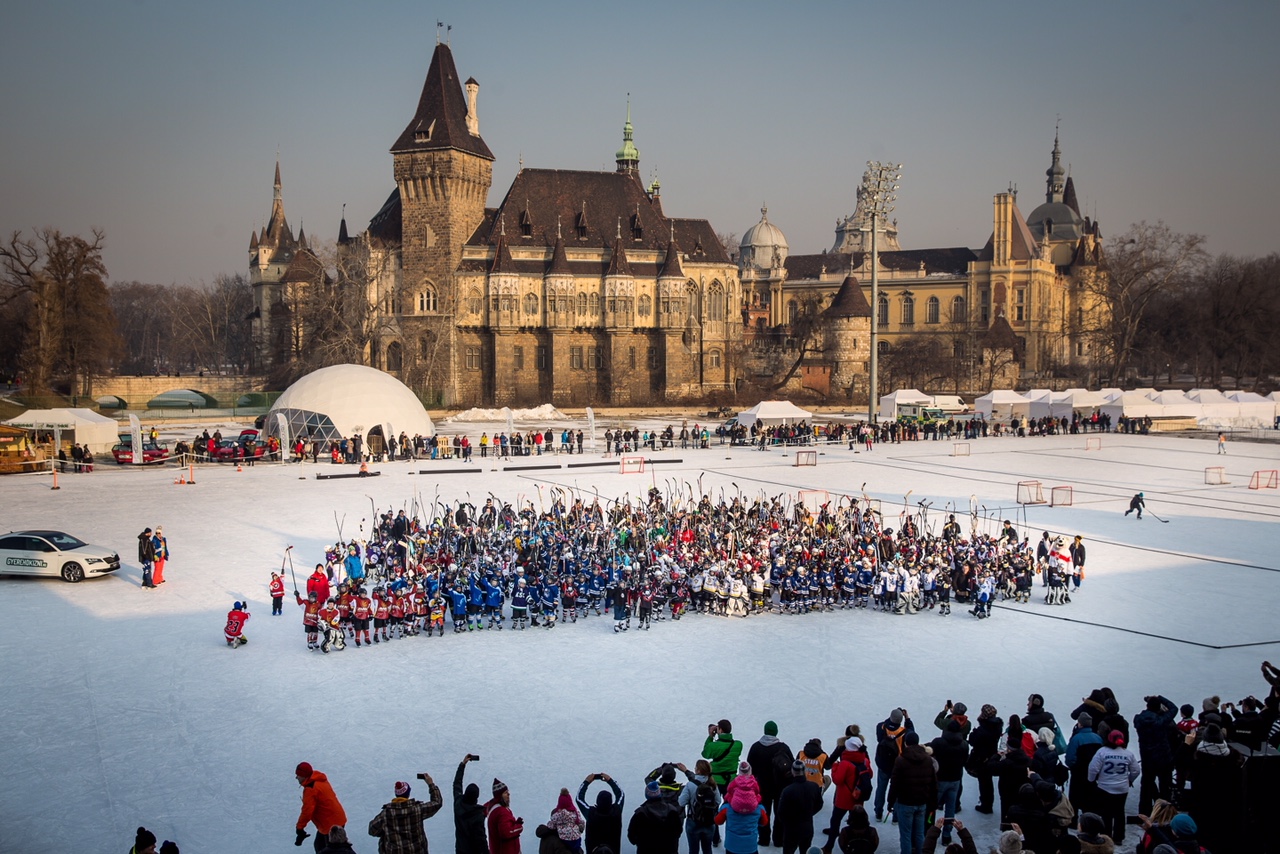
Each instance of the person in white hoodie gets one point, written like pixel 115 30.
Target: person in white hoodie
pixel 1114 769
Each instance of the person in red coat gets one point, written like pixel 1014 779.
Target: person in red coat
pixel 318 583
pixel 320 806
pixel 851 780
pixel 276 588
pixel 504 827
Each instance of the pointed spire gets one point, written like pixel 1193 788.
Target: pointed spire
pixel 502 261
pixel 671 267
pixel 559 260
pixel 277 184
pixel 618 265
pixel 442 120
pixel 628 157
pixel 253 241
pixel 1054 174
pixel 342 227
pixel 302 237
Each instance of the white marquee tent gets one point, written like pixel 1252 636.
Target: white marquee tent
pixel 1002 405
pixel 1076 400
pixel 1255 410
pixel 343 401
pixel 82 426
pixel 770 413
pixel 890 403
pixel 1132 404
pixel 1177 405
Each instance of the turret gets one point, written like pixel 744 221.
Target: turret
pixel 473 118
pixel 628 157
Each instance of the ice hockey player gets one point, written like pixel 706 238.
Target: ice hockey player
pixel 236 618
pixel 276 588
pixel 520 604
pixel 330 628
pixel 310 618
pixel 361 612
pixel 1136 503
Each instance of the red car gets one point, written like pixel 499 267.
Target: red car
pixel 151 453
pixel 230 450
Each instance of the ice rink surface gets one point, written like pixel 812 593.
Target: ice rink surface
pixel 124 707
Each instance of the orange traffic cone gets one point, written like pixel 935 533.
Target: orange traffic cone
pixel 238 468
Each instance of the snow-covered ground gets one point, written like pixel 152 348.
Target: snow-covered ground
pixel 123 706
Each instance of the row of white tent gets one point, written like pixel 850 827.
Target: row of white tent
pixel 1209 407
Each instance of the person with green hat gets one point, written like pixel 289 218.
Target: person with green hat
pixel 770 759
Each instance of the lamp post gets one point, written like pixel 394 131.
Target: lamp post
pixel 878 192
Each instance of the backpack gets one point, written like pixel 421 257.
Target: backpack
pixel 704 806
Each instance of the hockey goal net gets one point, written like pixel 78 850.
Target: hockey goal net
pixel 1264 479
pixel 631 465
pixel 1060 496
pixel 1030 492
pixel 806 458
pixel 1093 443
pixel 1215 475
pixel 813 499
pixel 960 449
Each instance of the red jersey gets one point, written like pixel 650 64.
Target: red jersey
pixel 328 614
pixel 363 607
pixel 235 622
pixel 420 603
pixel 380 609
pixel 397 607
pixel 344 605
pixel 311 611
pixel 277 587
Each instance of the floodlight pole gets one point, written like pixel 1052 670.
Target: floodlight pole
pixel 879 183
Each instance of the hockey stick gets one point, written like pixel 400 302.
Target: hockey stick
pixel 1166 521
pixel 288 553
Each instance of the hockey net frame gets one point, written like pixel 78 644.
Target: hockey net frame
pixel 1031 492
pixel 960 449
pixel 1265 479
pixel 1215 475
pixel 806 458
pixel 1061 496
pixel 631 465
pixel 813 499
pixel 1093 443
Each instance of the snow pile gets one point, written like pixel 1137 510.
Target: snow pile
pixel 545 412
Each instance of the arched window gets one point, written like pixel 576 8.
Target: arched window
pixel 530 304
pixel 793 311
pixel 395 357
pixel 646 305
pixel 714 358
pixel 908 311
pixel 582 302
pixel 932 310
pixel 427 303
pixel 959 312
pixel 882 347
pixel 595 305
pixel 474 302
pixel 883 312
pixel 424 346
pixel 715 302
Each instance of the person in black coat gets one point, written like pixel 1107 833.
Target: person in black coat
pixel 604 820
pixel 985 743
pixel 655 827
pixel 1036 717
pixel 1154 725
pixel 951 753
pixel 468 814
pixel 1012 767
pixel 767 758
pixel 799 802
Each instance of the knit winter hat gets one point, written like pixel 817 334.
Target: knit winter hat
pixel 471 794
pixel 959 709
pixel 797 768
pixel 1085 720
pixel 651 790
pixel 1010 843
pixel 1183 825
pixel 912 738
pixel 1210 704
pixel 988 712
pixel 1115 737
pixel 338 834
pixel 304 769
pixel 895 717
pixel 498 787
pixel 744 768
pixel 1091 824
pixel 565 801
pixel 770 728
pixel 853 743
pixel 1046 735
pixel 402 789
pixel 144 837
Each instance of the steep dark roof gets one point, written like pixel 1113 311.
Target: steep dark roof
pixel 502 262
pixel 600 202
pixel 1000 335
pixel 1022 244
pixel 671 267
pixel 559 261
pixel 305 268
pixel 441 119
pixel 385 224
pixel 1069 196
pixel 618 265
pixel 849 301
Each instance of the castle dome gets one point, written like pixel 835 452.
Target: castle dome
pixel 762 242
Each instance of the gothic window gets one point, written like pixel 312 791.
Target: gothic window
pixel 395 357
pixel 424 346
pixel 595 305
pixel 473 358
pixel 959 312
pixel 715 302
pixel 883 312
pixel 1019 304
pixel 932 310
pixel 474 301
pixel 714 359
pixel 646 306
pixel 882 347
pixel 427 301
pixel 908 311
pixel 393 303
pixel 582 303
pixel 530 304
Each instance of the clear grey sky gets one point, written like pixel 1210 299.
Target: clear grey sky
pixel 159 121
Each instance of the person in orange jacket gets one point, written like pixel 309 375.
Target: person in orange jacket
pixel 320 806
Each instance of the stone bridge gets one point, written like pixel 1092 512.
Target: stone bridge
pixel 137 391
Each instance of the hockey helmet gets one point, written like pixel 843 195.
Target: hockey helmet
pixel 237 606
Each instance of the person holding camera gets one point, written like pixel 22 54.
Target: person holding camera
pixel 468 813
pixel 604 820
pixel 399 825
pixel 723 751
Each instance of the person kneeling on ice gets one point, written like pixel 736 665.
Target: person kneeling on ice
pixel 236 618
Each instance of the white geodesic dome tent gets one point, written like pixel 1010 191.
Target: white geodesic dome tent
pixel 343 401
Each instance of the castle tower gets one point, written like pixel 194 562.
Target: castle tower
pixel 270 253
pixel 628 157
pixel 847 341
pixel 443 170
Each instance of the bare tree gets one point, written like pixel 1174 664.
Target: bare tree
pixel 1146 261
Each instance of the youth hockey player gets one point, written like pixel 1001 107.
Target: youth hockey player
pixel 361 613
pixel 234 630
pixel 520 604
pixel 310 618
pixel 276 589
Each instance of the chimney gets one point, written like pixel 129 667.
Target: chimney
pixel 473 118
